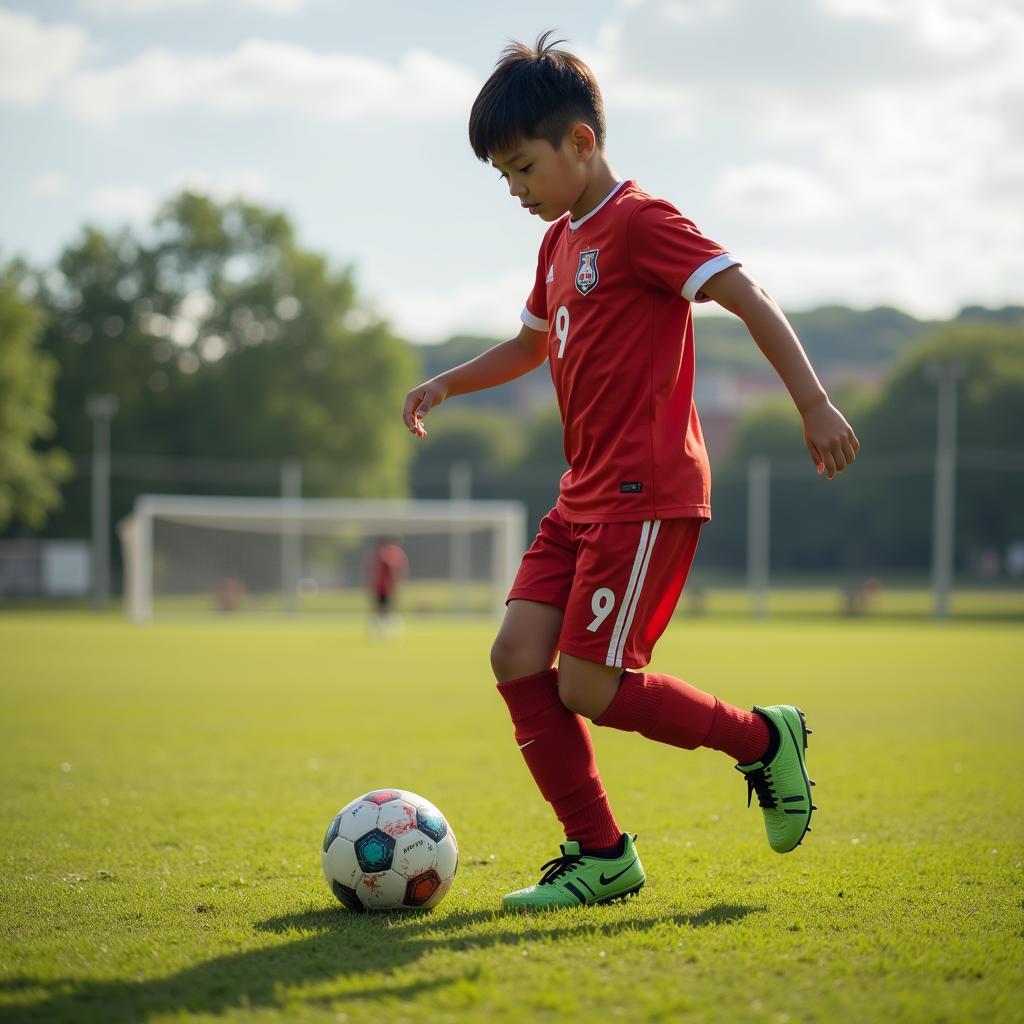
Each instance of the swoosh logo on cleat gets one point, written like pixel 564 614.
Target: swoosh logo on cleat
pixel 789 729
pixel 608 881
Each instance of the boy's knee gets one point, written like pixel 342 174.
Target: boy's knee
pixel 501 658
pixel 580 696
pixel 511 659
pixel 572 693
pixel 586 688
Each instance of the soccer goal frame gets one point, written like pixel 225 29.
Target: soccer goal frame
pixel 288 516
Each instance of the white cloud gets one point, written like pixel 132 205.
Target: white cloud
pixel 48 184
pixel 915 278
pixel 487 307
pixel 771 193
pixel 736 46
pixel 801 278
pixel 136 204
pixel 35 58
pixel 891 133
pixel 141 8
pixel 847 150
pixel 251 185
pixel 261 76
pixel 121 203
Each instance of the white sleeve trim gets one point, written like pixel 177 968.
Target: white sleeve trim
pixel 533 322
pixel 704 273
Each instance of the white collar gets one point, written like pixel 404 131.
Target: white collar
pixel 574 224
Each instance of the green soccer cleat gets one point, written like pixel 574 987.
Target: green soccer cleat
pixel 576 879
pixel 780 780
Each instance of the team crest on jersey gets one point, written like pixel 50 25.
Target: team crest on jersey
pixel 586 273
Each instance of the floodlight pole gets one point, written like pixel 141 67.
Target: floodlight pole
pixel 101 409
pixel 758 533
pixel 460 476
pixel 291 534
pixel 945 374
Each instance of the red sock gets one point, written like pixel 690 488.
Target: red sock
pixel 557 749
pixel 668 710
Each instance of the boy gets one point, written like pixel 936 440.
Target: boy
pixel 386 567
pixel 610 312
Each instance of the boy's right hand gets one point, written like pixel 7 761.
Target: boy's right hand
pixel 420 401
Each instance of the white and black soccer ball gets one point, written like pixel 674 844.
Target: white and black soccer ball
pixel 389 850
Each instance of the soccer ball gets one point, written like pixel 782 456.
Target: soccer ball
pixel 389 850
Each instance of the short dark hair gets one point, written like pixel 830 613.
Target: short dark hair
pixel 534 93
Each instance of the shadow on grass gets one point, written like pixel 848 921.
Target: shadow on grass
pixel 333 946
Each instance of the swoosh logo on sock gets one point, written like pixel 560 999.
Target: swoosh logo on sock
pixel 608 881
pixel 526 744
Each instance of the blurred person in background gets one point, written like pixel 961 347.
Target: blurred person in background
pixel 386 568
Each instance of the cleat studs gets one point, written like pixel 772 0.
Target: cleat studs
pixel 812 782
pixel 814 807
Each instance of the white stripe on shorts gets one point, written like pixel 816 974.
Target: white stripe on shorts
pixel 630 600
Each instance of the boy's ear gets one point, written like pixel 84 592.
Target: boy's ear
pixel 582 140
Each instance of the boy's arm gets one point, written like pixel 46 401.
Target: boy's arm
pixel 830 440
pixel 497 365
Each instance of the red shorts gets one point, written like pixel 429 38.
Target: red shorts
pixel 618 583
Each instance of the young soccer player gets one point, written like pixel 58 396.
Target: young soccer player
pixel 610 311
pixel 386 568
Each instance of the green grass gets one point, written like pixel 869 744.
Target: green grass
pixel 165 791
pixel 827 602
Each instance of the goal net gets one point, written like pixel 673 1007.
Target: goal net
pixel 196 554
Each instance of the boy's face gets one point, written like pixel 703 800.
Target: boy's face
pixel 546 181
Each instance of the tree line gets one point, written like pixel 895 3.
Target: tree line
pixel 876 515
pixel 223 339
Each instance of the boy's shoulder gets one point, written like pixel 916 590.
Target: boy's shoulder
pixel 624 203
pixel 630 208
pixel 634 201
pixel 649 221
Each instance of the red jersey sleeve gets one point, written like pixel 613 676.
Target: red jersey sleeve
pixel 667 250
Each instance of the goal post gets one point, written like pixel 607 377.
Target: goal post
pixel 187 554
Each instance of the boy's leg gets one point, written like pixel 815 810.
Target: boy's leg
pixel 612 627
pixel 768 743
pixel 598 863
pixel 554 741
pixel 661 708
pixel 641 568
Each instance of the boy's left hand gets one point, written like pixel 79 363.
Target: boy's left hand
pixel 830 440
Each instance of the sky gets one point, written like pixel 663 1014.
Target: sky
pixel 864 152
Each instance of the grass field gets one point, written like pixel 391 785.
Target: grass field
pixel 165 791
pixel 805 601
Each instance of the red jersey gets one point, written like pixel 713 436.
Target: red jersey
pixel 386 567
pixel 613 291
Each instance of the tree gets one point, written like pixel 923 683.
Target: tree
pixel 508 459
pixel 486 437
pixel 879 513
pixel 223 339
pixel 902 425
pixel 29 477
